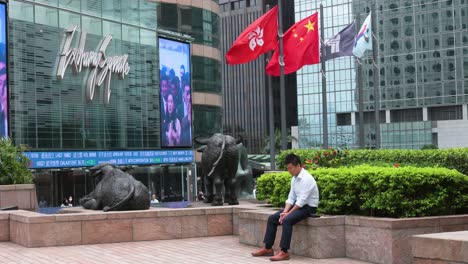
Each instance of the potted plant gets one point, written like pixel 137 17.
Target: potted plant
pixel 16 181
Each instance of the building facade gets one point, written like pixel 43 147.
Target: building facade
pixel 69 124
pixel 245 96
pixel 422 77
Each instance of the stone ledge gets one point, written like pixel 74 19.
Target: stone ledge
pixel 263 214
pixel 14 187
pixel 30 217
pixel 392 223
pixel 25 186
pixel 378 240
pixel 4 230
pixel 79 217
pixel 322 237
pixel 7 187
pixel 77 226
pixel 449 246
pixel 338 220
pixel 388 240
pixel 454 220
pixel 4 215
pixel 21 195
pixel 241 208
pixel 219 210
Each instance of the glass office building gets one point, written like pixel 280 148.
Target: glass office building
pixel 54 110
pixel 422 77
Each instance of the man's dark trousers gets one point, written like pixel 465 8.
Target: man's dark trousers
pixel 288 222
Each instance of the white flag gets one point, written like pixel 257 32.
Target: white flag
pixel 364 38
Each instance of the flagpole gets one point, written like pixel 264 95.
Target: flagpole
pixel 375 49
pixel 284 144
pixel 360 92
pixel 324 84
pixel 271 115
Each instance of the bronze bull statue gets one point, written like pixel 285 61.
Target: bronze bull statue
pixel 219 163
pixel 115 191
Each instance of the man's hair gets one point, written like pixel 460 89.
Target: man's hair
pixel 293 159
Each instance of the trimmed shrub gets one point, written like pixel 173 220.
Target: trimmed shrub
pixel 455 158
pixel 13 164
pixel 266 185
pixel 380 191
pixel 314 158
pixel 274 187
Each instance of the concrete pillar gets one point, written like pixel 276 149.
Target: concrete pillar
pixel 295 134
pixel 353 118
pixel 425 118
pixel 387 116
pixel 465 112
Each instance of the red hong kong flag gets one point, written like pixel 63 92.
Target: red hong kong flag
pixel 258 38
pixel 301 47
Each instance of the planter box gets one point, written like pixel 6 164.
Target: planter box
pixel 31 229
pixel 387 240
pixel 21 195
pixel 322 237
pixel 376 240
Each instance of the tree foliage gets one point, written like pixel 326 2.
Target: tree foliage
pixel 13 164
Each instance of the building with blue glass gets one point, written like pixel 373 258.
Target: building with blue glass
pixel 74 109
pixel 422 51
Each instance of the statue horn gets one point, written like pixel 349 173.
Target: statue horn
pixel 202 141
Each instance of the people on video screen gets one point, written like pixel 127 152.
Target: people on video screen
pixel 176 108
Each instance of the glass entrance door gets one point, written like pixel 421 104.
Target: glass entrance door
pixel 54 186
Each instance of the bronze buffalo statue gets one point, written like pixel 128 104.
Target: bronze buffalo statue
pixel 219 166
pixel 115 191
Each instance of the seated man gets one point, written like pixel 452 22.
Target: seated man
pixel 302 202
pixel 201 196
pixel 154 200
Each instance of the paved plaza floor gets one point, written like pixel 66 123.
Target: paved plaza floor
pixel 207 250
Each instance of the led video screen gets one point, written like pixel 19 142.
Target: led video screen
pixel 175 93
pixel 3 73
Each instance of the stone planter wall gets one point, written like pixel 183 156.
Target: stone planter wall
pixel 21 195
pixel 32 229
pixel 387 240
pixel 322 237
pixel 376 240
pixel 4 226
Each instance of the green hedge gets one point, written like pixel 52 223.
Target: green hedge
pixel 456 158
pixel 378 191
pixel 314 158
pixel 274 187
pixel 13 164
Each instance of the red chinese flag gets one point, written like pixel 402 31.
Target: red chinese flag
pixel 301 47
pixel 258 38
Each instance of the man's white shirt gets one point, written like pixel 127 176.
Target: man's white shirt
pixel 304 190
